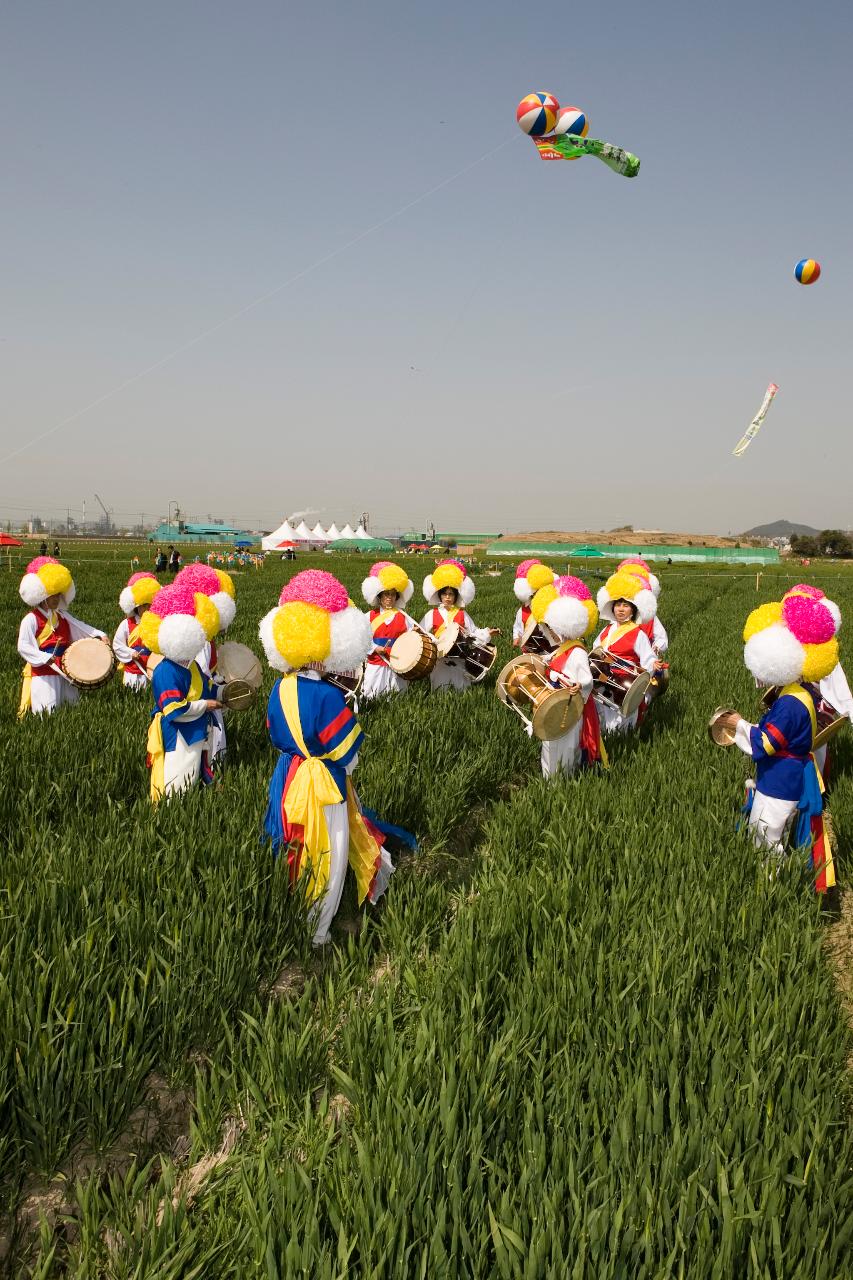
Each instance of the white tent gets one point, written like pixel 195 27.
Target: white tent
pixel 332 533
pixel 362 534
pixel 302 533
pixel 318 533
pixel 347 531
pixel 284 533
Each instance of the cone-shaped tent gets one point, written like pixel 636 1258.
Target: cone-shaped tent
pixel 347 531
pixel 318 533
pixel 362 534
pixel 302 533
pixel 333 532
pixel 283 533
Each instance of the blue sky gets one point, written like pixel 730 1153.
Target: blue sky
pixel 587 349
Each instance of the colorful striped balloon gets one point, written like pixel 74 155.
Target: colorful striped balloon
pixel 807 271
pixel 572 120
pixel 537 113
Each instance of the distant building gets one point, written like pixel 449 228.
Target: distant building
pixel 185 531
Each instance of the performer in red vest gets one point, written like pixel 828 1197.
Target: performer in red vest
pixel 529 577
pixel 568 609
pixel 128 647
pixel 44 635
pixel 386 587
pixel 625 605
pixel 448 591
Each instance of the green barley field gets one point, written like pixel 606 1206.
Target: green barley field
pixel 582 1036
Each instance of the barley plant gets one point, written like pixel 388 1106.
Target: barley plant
pixel 584 1035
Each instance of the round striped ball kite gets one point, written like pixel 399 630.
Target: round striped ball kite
pixel 572 120
pixel 807 271
pixel 537 113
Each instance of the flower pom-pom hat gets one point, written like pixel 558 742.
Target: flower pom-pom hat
pixel 179 622
pixel 141 589
pixel 567 607
pixel 623 585
pixel 315 624
pixel 791 640
pixel 214 583
pixel 530 577
pixel 46 577
pixel 386 576
pixel 449 573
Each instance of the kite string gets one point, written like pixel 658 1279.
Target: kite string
pixel 256 302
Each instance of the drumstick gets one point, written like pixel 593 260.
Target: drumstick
pixel 60 672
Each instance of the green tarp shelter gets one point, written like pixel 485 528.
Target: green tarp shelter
pixel 360 544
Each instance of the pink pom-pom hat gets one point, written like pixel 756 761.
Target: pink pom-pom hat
pixel 315 586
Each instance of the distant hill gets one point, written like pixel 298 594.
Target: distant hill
pixel 780 529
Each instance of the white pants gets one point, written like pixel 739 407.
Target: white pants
pixel 612 720
pixel 133 680
pixel 562 754
pixel 49 692
pixel 768 819
pixel 182 766
pixel 325 909
pixel 449 674
pixel 379 679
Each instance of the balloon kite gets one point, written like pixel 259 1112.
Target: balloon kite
pixel 807 271
pixel 754 426
pixel 537 113
pixel 560 133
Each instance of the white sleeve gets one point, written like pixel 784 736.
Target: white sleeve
pixel 481 634
pixel 660 639
pixel 835 689
pixel 742 738
pixel 426 621
pixel 193 711
pixel 599 638
pixel 27 647
pixel 80 630
pixel 517 628
pixel 645 653
pixel 578 670
pixel 121 648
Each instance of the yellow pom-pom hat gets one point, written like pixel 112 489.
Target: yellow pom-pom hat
pixel 567 607
pixel 179 622
pixel 449 573
pixel 215 583
pixel 315 624
pixel 45 577
pixel 385 576
pixel 141 589
pixel 638 566
pixel 530 576
pixel 623 585
pixel 792 640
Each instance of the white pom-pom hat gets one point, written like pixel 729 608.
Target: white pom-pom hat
pixel 315 624
pixel 449 573
pixel 791 640
pixel 45 577
pixel 638 566
pixel 141 589
pixel 386 576
pixel 530 576
pixel 567 607
pixel 215 583
pixel 623 585
pixel 179 622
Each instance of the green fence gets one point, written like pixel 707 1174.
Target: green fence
pixel 655 551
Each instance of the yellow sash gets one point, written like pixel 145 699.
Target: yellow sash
pixel 617 633
pixel 154 746
pixel 445 623
pixel 565 647
pixel 313 787
pixel 382 618
pixel 26 702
